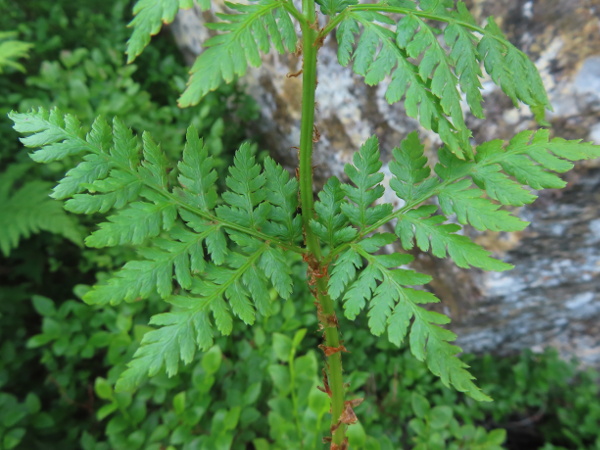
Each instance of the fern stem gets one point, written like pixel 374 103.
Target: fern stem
pixel 317 278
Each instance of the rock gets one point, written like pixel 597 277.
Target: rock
pixel 551 297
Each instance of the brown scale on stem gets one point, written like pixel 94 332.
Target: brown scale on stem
pixel 316 134
pixel 325 387
pixel 332 350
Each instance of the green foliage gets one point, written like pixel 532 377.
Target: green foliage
pixel 254 29
pixel 149 18
pixel 429 75
pixel 437 428
pixel 27 209
pixel 243 261
pixel 213 247
pixel 12 50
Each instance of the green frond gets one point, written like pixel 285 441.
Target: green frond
pixel 149 17
pixel 180 256
pixel 530 158
pixel 411 179
pixel 177 339
pixel 134 224
pixel 197 174
pixel 254 29
pixel 28 209
pixel 471 207
pixel 241 281
pixel 365 175
pixel 512 70
pixel 221 255
pixel 273 264
pixel 246 197
pixel 395 307
pixel 332 7
pixel 331 226
pixel 432 233
pixel 284 220
pixel 343 271
pixel 465 58
pixel 11 50
pixel 429 89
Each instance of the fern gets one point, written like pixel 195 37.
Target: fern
pixel 188 239
pixel 215 255
pixel 11 50
pixel 431 86
pixel 254 29
pixel 361 277
pixel 150 15
pixel 26 210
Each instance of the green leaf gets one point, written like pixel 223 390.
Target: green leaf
pixel 365 175
pixel 331 226
pixel 440 417
pixel 29 210
pixel 274 265
pixel 530 157
pixel 472 208
pixel 282 346
pixel 178 337
pixel 510 69
pixel 179 403
pixel 343 272
pixel 429 89
pixel 197 174
pixel 430 232
pixel 132 225
pixel 465 58
pixel 103 389
pixel 411 174
pixel 395 307
pixel 246 197
pixel 245 34
pixel 149 17
pixel 12 50
pixel 332 7
pixel 211 360
pixel 284 221
pixel 420 405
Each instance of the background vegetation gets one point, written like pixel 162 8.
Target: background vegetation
pixel 254 389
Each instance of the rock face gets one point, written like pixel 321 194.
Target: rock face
pixel 552 297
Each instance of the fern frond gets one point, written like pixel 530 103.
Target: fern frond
pixel 177 339
pixel 12 50
pixel 149 17
pixel 365 175
pixel 411 179
pixel 221 256
pixel 431 232
pixel 246 198
pixel 465 58
pixel 393 306
pixel 254 29
pixel 27 209
pixel 430 95
pixel 431 88
pixel 530 158
pixel 190 325
pixel 512 70
pixel 282 192
pixel 331 226
pixel 332 7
